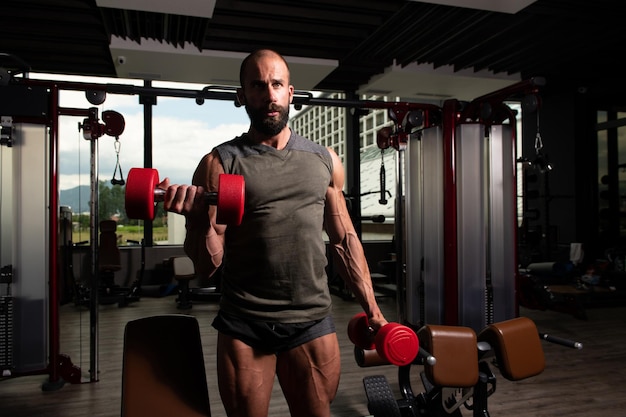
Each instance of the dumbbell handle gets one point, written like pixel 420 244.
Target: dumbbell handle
pixel 366 358
pixel 394 342
pixel 210 196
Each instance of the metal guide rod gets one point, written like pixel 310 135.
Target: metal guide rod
pixel 399 233
pixel 53 309
pixel 95 283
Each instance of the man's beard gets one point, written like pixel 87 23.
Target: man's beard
pixel 268 125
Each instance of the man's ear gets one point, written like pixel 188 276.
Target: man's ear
pixel 241 98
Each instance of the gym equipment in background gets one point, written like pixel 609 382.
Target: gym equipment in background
pixel 456 216
pixel 456 368
pixel 108 264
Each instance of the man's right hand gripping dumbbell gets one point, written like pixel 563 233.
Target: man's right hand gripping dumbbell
pixel 394 342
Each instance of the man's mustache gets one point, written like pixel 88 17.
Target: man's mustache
pixel 270 108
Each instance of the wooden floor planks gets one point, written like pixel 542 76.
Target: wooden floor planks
pixel 577 383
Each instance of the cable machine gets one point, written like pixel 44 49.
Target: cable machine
pixel 30 113
pixel 458 262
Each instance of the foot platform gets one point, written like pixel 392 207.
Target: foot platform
pixel 380 399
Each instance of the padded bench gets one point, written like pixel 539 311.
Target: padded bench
pixel 456 352
pixel 517 347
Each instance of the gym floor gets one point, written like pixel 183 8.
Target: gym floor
pixel 588 382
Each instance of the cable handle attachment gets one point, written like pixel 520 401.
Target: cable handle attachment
pixel 383 191
pixel 118 168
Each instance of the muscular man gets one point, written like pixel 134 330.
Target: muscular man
pixel 275 310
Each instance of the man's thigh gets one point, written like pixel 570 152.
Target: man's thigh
pixel 245 377
pixel 309 375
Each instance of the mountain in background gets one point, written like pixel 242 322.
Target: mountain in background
pixel 73 196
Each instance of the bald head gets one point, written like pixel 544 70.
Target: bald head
pixel 255 57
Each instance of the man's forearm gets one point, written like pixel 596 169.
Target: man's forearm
pixel 355 272
pixel 205 248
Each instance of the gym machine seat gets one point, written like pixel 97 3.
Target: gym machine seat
pixel 109 262
pixel 517 347
pixel 456 352
pixel 163 371
pixel 108 253
pixel 184 271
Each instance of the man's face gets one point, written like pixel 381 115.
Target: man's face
pixel 266 94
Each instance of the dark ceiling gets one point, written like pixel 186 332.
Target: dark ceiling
pixel 580 41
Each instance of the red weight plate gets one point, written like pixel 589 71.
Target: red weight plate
pixel 397 343
pixel 231 192
pixel 357 332
pixel 383 137
pixel 139 195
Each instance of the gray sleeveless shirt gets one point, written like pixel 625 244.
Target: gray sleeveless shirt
pixel 274 262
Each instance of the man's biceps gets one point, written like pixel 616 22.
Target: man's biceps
pixel 335 226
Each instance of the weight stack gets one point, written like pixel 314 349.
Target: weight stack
pixel 6 334
pixel 461 218
pixel 6 322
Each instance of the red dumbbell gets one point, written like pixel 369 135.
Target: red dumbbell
pixel 142 194
pixel 396 343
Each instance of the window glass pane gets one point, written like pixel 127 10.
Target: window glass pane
pixel 332 133
pixel 76 156
pixel 183 132
pixel 374 207
pixel 611 177
pixel 377 196
pixel 603 178
pixel 621 172
pixel 603 186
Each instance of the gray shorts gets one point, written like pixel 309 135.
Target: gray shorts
pixel 272 337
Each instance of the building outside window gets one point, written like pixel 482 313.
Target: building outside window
pixel 326 125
